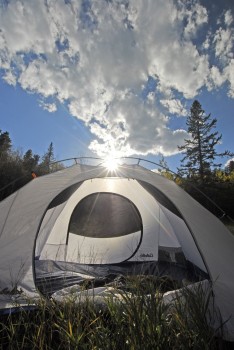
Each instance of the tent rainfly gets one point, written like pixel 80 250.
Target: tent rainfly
pixel 87 222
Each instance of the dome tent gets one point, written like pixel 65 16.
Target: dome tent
pixel 84 218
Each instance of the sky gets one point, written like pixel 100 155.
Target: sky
pixel 114 77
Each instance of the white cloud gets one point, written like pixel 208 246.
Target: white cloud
pixel 223 42
pixel 206 44
pixel 224 39
pixel 228 18
pixel 229 72
pixel 26 27
pixel 133 127
pixel 10 78
pixel 195 15
pixel 175 106
pixel 50 107
pixel 216 78
pixel 96 58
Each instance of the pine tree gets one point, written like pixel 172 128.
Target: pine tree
pixel 30 161
pixel 5 145
pixel 47 159
pixel 199 151
pixel 230 167
pixel 164 169
pixel 163 164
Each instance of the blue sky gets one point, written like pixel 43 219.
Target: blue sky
pixel 114 77
pixel 32 127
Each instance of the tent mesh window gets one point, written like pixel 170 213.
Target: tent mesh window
pixel 105 215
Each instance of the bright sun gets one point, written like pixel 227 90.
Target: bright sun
pixel 111 164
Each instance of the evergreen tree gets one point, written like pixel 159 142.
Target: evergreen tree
pixel 163 165
pixel 199 151
pixel 15 168
pixel 230 167
pixel 46 165
pixel 10 165
pixel 5 145
pixel 47 159
pixel 30 161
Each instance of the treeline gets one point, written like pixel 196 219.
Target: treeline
pixel 216 193
pixel 17 168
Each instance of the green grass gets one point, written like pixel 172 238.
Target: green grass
pixel 137 321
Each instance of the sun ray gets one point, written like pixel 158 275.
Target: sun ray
pixel 111 163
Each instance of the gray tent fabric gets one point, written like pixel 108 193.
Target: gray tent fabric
pixel 205 241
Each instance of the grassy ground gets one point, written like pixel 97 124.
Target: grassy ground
pixel 137 322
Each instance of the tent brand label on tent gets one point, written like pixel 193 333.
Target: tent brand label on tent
pixel 147 255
